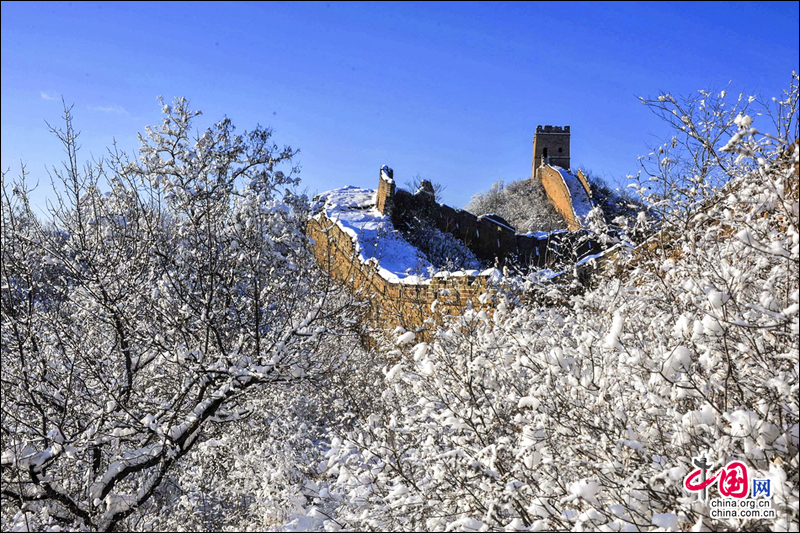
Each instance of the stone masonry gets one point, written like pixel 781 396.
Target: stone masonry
pixel 551 147
pixel 415 307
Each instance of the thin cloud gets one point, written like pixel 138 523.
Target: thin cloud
pixel 46 96
pixel 117 110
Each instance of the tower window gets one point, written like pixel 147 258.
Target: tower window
pixel 559 150
pixel 544 152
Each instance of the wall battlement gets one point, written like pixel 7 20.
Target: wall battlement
pixel 552 129
pixel 489 237
pixel 417 307
pixel 386 190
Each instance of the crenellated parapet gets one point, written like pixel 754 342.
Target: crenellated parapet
pixel 552 129
pixel 489 237
pixel 418 303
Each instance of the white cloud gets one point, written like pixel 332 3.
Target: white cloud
pixel 46 96
pixel 116 109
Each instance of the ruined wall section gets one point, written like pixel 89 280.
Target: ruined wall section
pixel 386 191
pixel 489 237
pixel 415 307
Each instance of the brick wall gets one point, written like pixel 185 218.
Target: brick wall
pixel 584 182
pixel 558 193
pixel 415 307
pixel 386 192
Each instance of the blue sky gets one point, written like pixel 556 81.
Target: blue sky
pixel 450 91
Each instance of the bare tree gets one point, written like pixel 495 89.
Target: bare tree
pixel 139 316
pixel 712 141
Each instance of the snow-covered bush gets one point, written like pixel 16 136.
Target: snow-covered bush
pixel 619 209
pixel 713 142
pixel 138 319
pixel 587 416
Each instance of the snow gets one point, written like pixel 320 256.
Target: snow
pixel 612 339
pixel 353 210
pixel 465 524
pixel 581 203
pixel 742 423
pixel 665 520
pixel 679 361
pixel 586 489
pixel 456 274
pixel 494 275
pixel 406 337
pixel 543 234
pixel 593 257
pixel 420 350
pixel 528 401
pixel 376 240
pixel 703 416
pixel 385 171
pixel 743 121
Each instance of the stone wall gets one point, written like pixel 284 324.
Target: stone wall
pixel 420 307
pixel 559 196
pixel 386 190
pixel 584 182
pixel 415 307
pixel 489 237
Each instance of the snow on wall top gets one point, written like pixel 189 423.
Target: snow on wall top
pixel 581 203
pixel 387 173
pixel 353 210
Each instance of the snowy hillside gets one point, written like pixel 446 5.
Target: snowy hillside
pixel 592 416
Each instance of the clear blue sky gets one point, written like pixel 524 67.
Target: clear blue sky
pixel 451 91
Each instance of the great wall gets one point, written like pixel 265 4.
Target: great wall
pixel 416 303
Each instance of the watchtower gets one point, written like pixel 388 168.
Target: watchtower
pixel 551 146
